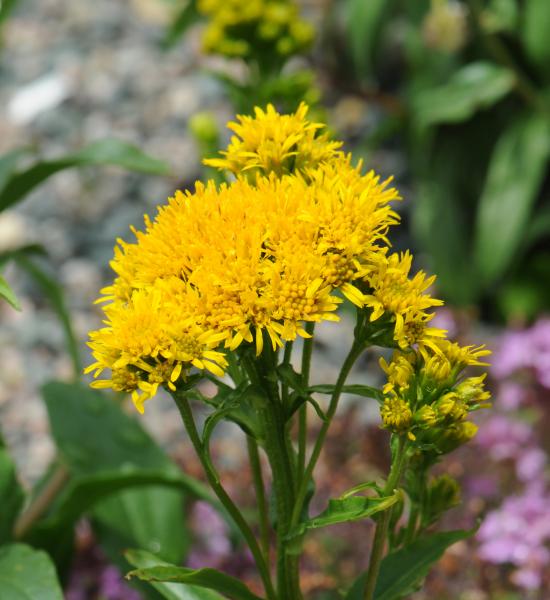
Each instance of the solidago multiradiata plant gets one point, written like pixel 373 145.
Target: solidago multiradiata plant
pixel 221 284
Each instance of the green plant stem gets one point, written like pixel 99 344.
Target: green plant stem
pixel 302 415
pixel 213 479
pixel 278 448
pixel 383 522
pixel 259 487
pixel 42 502
pixel 352 356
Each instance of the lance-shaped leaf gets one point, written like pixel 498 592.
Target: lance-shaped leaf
pixel 345 509
pixel 53 291
pixel 355 389
pixel 188 15
pixel 94 435
pixel 103 152
pixel 172 591
pixel 473 87
pixel 401 571
pixel 8 294
pixel 27 574
pixel 516 171
pixel 211 579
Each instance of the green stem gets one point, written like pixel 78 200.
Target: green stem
pixel 354 353
pixel 302 415
pixel 213 479
pixel 278 448
pixel 383 522
pixel 259 487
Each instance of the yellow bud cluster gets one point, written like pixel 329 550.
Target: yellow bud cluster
pixel 426 384
pixel 248 28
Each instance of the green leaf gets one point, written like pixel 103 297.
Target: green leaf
pixel 402 570
pixel 5 9
pixel 93 435
pixel 356 389
pixel 11 496
pixel 8 163
pixel 205 578
pixel 187 16
pixel 515 174
pixel 27 574
pixel 346 509
pixel 291 378
pixel 536 15
pixel 8 294
pixel 84 492
pixel 54 293
pixel 172 591
pixel 364 22
pixel 103 152
pixel 239 406
pixel 473 87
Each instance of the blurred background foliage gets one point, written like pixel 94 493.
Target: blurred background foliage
pixel 453 97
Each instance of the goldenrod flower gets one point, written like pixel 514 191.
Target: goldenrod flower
pixel 396 414
pixel 404 298
pixel 151 341
pixel 273 143
pixel 427 381
pixel 254 28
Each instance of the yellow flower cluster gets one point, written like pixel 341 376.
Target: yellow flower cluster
pixel 244 28
pixel 272 143
pixel 255 260
pixel 425 396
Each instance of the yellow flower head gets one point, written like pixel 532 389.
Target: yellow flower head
pixel 254 28
pixel 396 414
pixel 402 297
pixel 273 143
pixel 151 341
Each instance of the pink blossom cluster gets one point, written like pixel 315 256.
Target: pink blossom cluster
pixel 517 533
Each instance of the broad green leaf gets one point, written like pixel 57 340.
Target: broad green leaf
pixel 517 168
pixel 8 294
pixel 187 16
pixel 536 24
pixel 364 22
pixel 27 574
pixel 356 389
pixel 346 509
pixel 54 293
pixel 83 493
pixel 93 434
pixel 206 578
pixel 402 570
pixel 474 87
pixel 172 591
pixel 103 152
pixel 11 495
